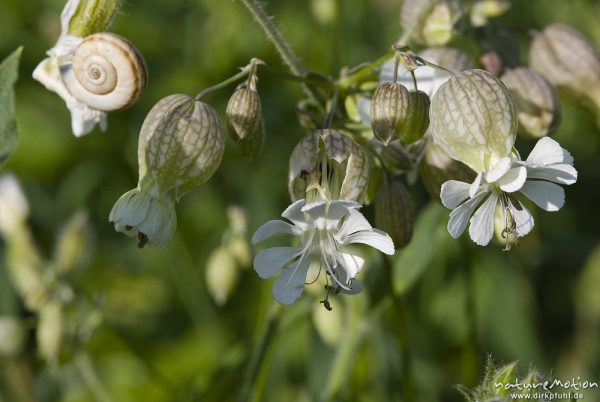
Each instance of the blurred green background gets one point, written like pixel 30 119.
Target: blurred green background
pixel 162 337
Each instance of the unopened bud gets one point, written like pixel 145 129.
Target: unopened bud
pixel 221 275
pixel 243 113
pixel 347 160
pixel 538 106
pixel 434 20
pixel 437 167
pixel 570 62
pixel 389 111
pixel 418 117
pixel 14 207
pixel 50 331
pixel 474 119
pixel 395 212
pixel 483 10
pixel 12 336
pixel 180 147
pixel 72 244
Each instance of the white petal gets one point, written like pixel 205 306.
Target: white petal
pixel 481 230
pixel 354 222
pixel 272 228
pixel 546 195
pixel 523 220
pixel 559 173
pixel 352 265
pixel 290 284
pixel 374 238
pixel 355 287
pixel 294 214
pixel 454 193
pixel 499 170
pixel 546 152
pixel 459 217
pixel 474 187
pixel 513 180
pixel 268 261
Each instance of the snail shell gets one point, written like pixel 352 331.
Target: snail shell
pixel 106 72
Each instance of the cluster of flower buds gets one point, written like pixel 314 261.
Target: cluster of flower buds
pixel 93 71
pixel 181 145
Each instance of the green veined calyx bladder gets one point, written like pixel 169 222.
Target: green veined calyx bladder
pixel 474 119
pixel 570 62
pixel 181 145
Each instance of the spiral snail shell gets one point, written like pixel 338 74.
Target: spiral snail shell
pixel 106 72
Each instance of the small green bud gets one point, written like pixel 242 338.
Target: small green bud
pixel 504 375
pixel 483 10
pixel 389 111
pixel 12 336
pixel 50 331
pixel 395 212
pixel 437 167
pixel 538 106
pixel 221 275
pixel 89 16
pixel 72 244
pixel 180 147
pixel 474 119
pixel 418 117
pixel 570 62
pixel 435 20
pixel 347 160
pixel 243 113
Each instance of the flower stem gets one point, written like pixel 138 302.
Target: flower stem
pixel 284 49
pixel 260 351
pixel 90 376
pixel 362 74
pixel 242 74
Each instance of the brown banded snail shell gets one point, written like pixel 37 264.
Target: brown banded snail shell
pixel 106 72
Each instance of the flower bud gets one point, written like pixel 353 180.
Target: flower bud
pixel 347 160
pixel 14 207
pixel 483 10
pixel 50 330
pixel 180 147
pixel 389 111
pixel 434 22
pixel 243 114
pixel 474 119
pixel 12 336
pixel 418 117
pixel 72 244
pixel 221 275
pixel 437 167
pixel 570 62
pixel 538 106
pixel 395 212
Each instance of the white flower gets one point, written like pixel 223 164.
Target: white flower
pixel 83 118
pixel 146 214
pixel 536 178
pixel 324 229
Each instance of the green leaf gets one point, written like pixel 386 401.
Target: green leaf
pixel 430 233
pixel 9 136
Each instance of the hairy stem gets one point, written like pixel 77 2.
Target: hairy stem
pixel 260 351
pixel 284 49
